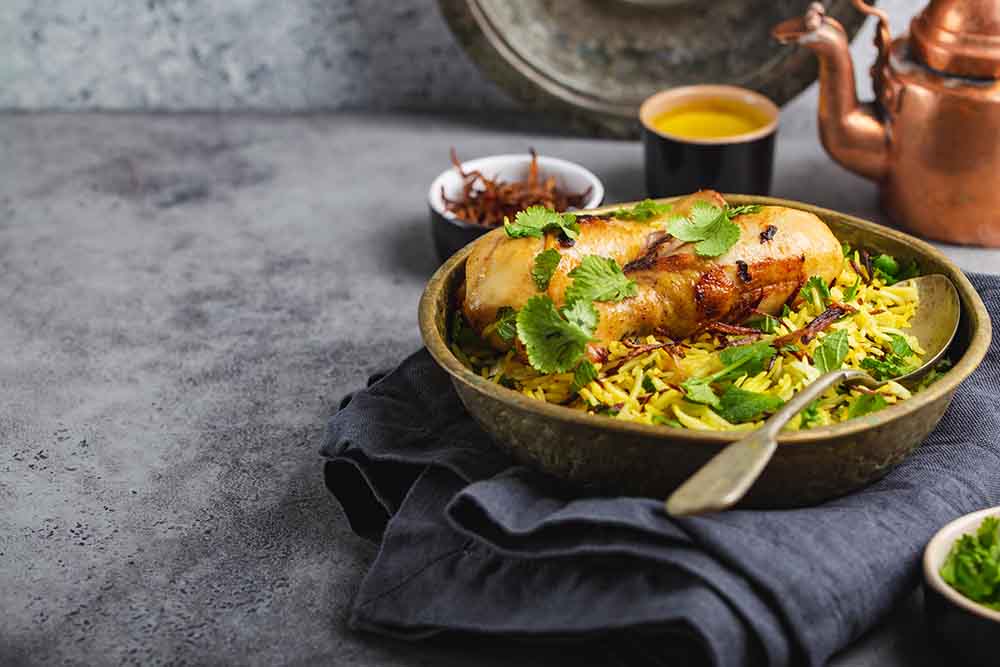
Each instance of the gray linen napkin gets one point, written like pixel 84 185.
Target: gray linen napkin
pixel 471 543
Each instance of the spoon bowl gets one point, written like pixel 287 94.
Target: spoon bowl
pixel 726 478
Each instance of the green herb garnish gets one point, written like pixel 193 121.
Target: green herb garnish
pixel 534 221
pixel 599 279
pixel 709 227
pixel 891 271
pixel 737 405
pixel 815 292
pixel 973 565
pixel 830 354
pixel 810 415
pixel 644 211
pixel 741 359
pixel 506 323
pixel 894 364
pixel 555 339
pixel 584 374
pixel 647 384
pixel 866 403
pixel 666 421
pixel 545 265
pixel 852 291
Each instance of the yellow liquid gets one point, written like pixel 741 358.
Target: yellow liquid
pixel 710 119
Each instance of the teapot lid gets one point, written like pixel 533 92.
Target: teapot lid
pixel 959 37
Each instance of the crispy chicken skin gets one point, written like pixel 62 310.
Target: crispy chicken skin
pixel 678 291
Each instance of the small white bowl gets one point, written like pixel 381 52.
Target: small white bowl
pixel 450 233
pixel 967 628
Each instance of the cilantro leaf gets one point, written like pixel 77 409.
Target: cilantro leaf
pixel 555 340
pixel 737 405
pixel 506 323
pixel 830 354
pixel 698 390
pixel 644 211
pixel 534 221
pixel 816 292
pixel 891 271
pixel 973 564
pixel 545 265
pixel 647 384
pixel 889 367
pixel 599 279
pixel 582 314
pixel 865 404
pixel 698 224
pixel 709 227
pixel 584 374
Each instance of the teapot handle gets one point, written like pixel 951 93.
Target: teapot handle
pixel 883 38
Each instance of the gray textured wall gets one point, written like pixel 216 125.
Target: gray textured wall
pixel 246 54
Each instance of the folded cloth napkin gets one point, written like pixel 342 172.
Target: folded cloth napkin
pixel 471 543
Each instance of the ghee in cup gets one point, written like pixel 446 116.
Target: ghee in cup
pixel 710 119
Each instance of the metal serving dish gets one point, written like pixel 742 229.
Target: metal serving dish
pixel 604 455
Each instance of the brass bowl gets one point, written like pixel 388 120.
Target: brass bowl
pixel 603 455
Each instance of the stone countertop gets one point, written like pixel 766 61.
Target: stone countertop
pixel 184 300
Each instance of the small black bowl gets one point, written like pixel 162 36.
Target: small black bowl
pixel 959 626
pixel 450 234
pixel 741 163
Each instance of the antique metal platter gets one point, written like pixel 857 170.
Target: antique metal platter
pixel 593 62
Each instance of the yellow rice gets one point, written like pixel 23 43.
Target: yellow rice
pixel 619 392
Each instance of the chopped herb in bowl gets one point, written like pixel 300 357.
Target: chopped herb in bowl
pixel 973 565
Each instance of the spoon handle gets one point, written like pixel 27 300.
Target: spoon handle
pixel 725 479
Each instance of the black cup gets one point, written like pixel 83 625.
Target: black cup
pixel 675 165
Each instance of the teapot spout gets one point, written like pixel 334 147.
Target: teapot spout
pixel 851 131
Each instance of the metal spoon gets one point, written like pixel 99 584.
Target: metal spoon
pixel 725 479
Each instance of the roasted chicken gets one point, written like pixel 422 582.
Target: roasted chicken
pixel 678 291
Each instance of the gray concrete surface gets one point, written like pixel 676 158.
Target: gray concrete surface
pixel 183 301
pixel 252 54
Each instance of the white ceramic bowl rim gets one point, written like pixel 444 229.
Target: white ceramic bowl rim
pixel 939 547
pixel 493 164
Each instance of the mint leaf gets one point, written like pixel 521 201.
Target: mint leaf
pixel 750 359
pixel 584 374
pixel 700 391
pixel 555 340
pixel 865 404
pixel 545 265
pixel 830 354
pixel 647 384
pixel 599 279
pixel 737 405
pixel 534 221
pixel 644 211
pixel 816 292
pixel 899 346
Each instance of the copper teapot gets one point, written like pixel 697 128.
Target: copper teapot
pixel 931 139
